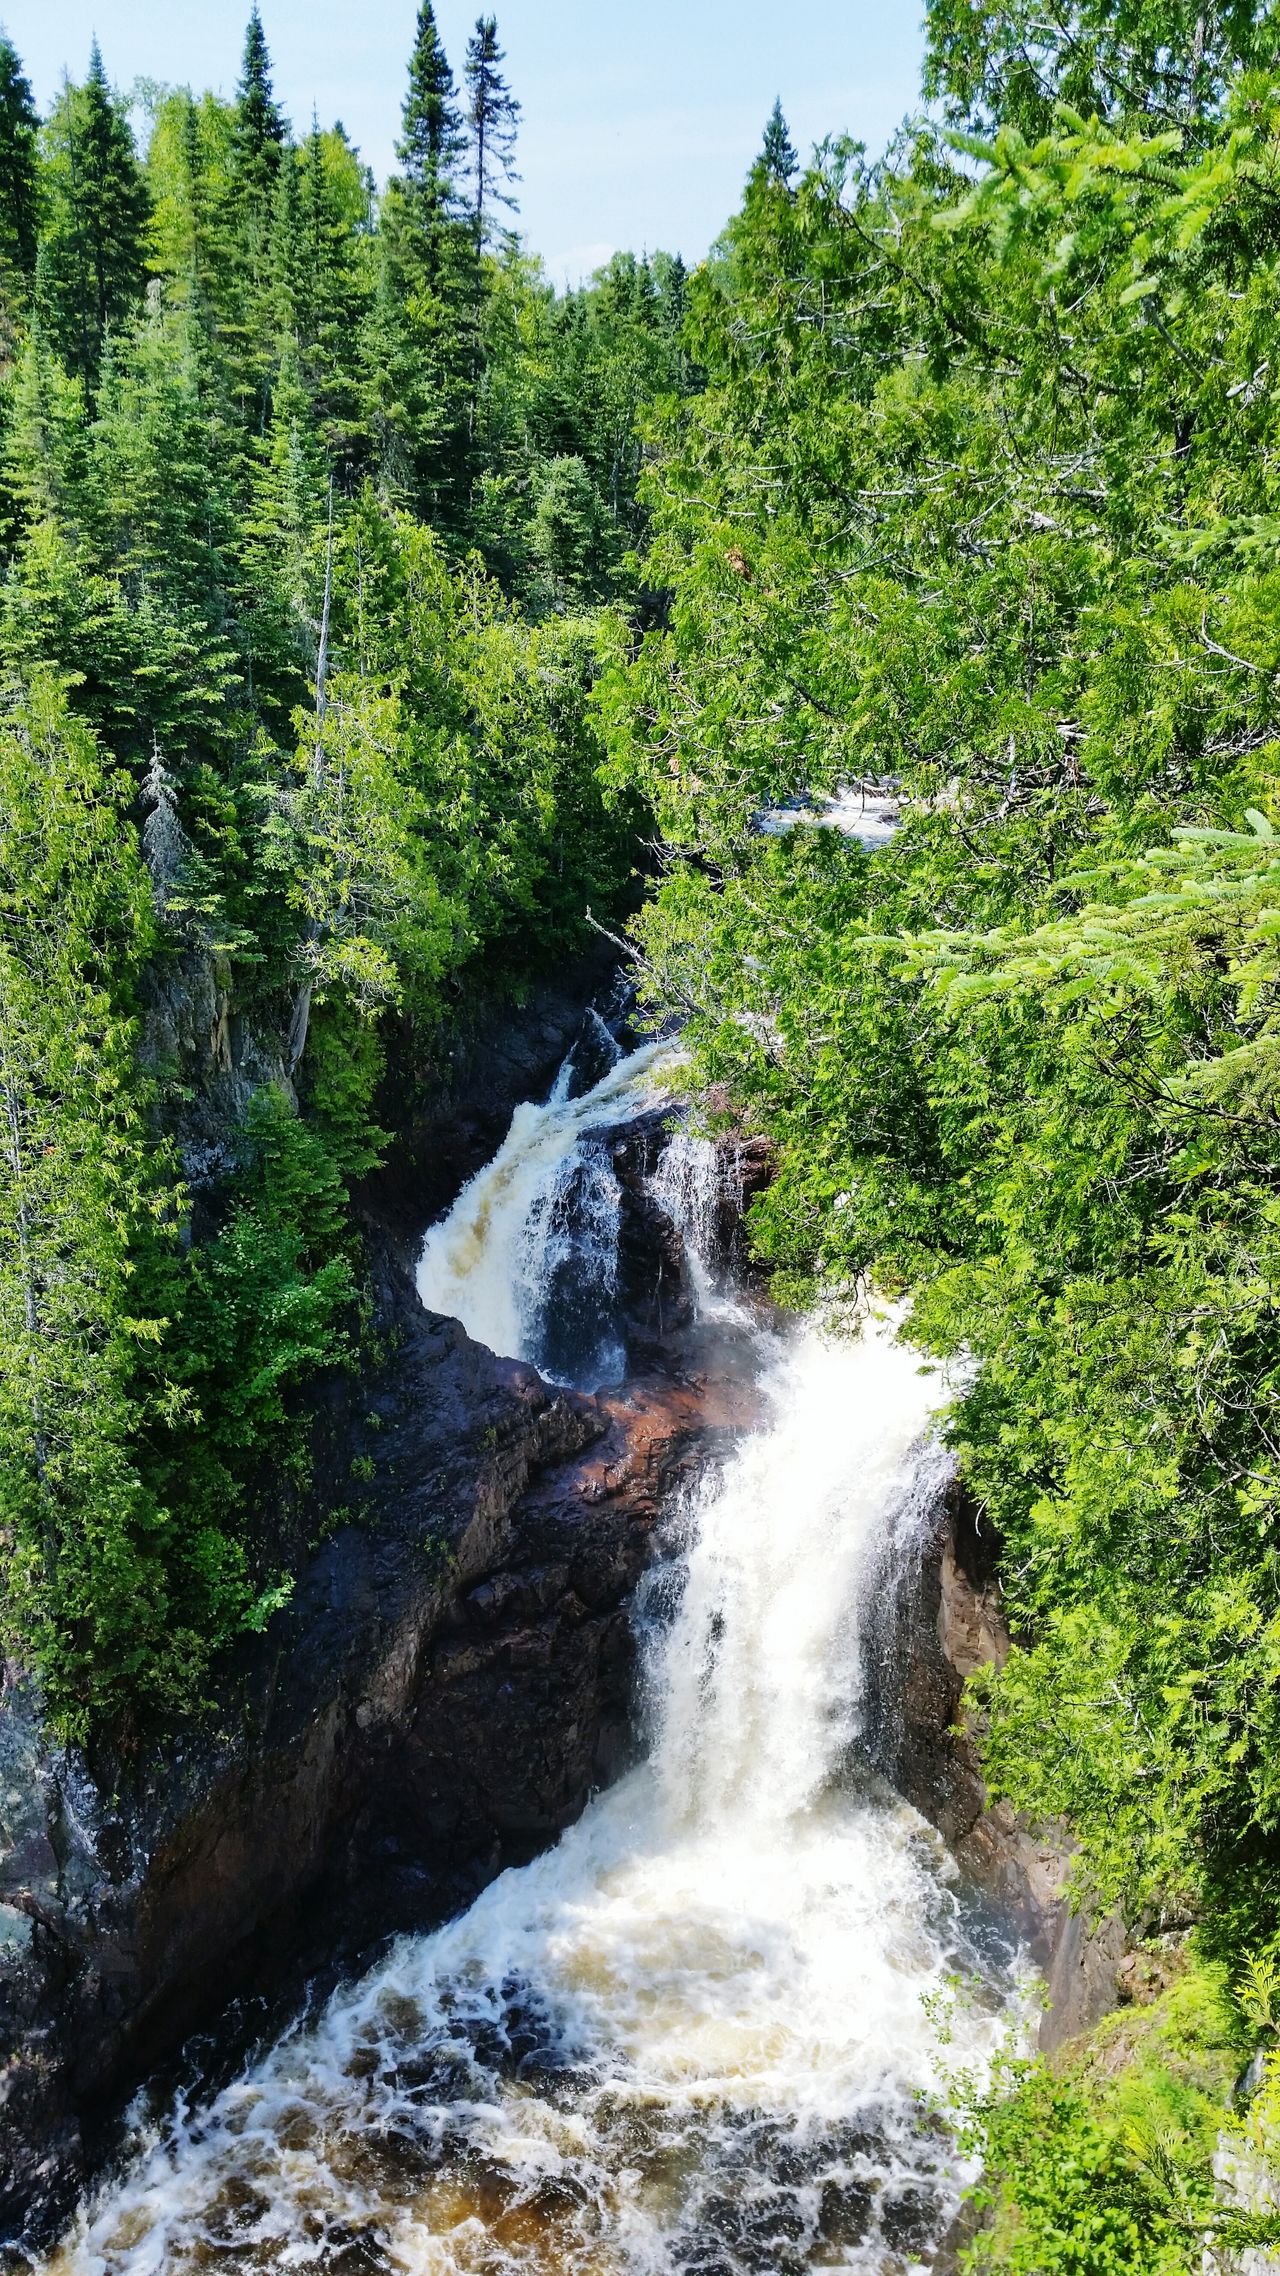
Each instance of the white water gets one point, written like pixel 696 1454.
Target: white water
pixel 695 2038
pixel 536 1230
pixel 688 1183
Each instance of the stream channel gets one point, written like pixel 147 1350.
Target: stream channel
pixel 702 2033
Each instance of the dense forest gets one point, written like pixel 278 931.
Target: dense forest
pixel 310 503
pixel 370 612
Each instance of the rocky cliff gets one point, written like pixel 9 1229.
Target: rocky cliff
pixel 449 1683
pixel 943 1625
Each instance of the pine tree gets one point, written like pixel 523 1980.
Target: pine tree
pixel 422 352
pixel 18 195
pixel 779 156
pixel 90 270
pixel 493 118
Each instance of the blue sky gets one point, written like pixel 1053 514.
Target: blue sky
pixel 641 116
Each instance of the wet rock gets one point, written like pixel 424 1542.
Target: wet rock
pixel 451 1117
pixel 655 1290
pixel 447 1687
pixel 947 1622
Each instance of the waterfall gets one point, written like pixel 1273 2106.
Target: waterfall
pixel 527 1258
pixel 689 1184
pixel 698 2037
pixel 695 2036
pixel 760 1683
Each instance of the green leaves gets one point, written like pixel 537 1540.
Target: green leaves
pixel 975 507
pixel 79 1191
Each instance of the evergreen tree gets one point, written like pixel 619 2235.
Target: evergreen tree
pixel 779 156
pixel 260 128
pixel 91 262
pixel 18 196
pixel 45 443
pixel 432 141
pixel 83 1584
pixel 285 526
pixel 257 151
pixel 493 118
pixel 399 401
pixel 566 534
pixel 291 284
pixel 324 262
pixel 426 319
pixel 188 172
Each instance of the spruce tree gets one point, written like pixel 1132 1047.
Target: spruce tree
pixel 322 278
pixel 18 129
pixel 90 270
pixel 45 443
pixel 186 245
pixel 779 157
pixel 424 366
pixel 257 147
pixel 335 206
pixel 260 128
pixel 432 141
pixel 493 118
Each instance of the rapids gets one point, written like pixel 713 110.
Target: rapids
pixel 700 2034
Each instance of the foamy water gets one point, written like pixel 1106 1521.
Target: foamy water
pixel 546 1208
pixel 696 2035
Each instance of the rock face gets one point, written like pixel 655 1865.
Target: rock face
pixel 945 1624
pixel 448 1684
pixel 441 1696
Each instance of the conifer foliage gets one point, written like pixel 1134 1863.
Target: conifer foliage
pixel 779 156
pixel 493 119
pixel 92 241
pixel 18 130
pixel 432 139
pixel 309 501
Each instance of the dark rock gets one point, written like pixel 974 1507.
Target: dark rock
pixel 655 1291
pixel 945 1623
pixel 449 1683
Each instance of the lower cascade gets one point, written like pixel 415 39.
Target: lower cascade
pixel 702 2033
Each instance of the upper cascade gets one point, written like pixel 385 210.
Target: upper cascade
pixel 527 1258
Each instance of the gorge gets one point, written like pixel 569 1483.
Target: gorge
pixel 640 1161
pixel 736 1962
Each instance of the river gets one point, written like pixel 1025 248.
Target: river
pixel 703 2033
